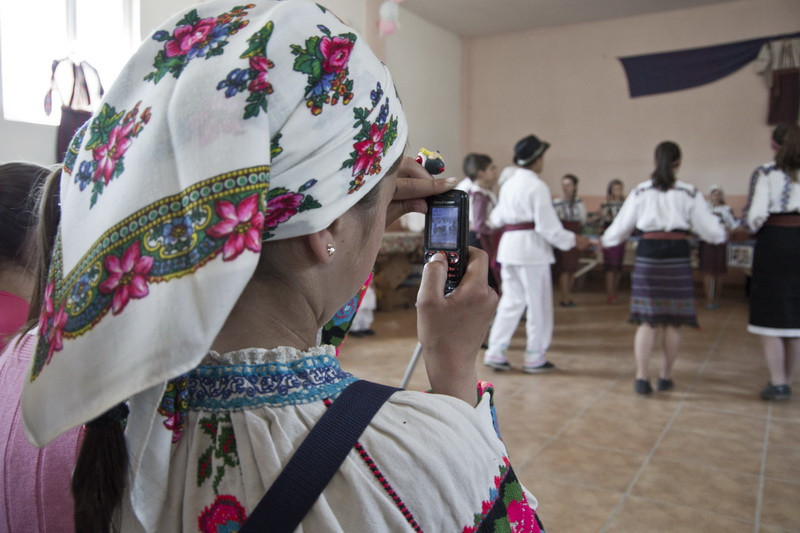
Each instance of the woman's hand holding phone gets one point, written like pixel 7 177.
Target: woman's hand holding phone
pixel 452 328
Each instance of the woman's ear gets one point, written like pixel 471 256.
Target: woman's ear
pixel 324 242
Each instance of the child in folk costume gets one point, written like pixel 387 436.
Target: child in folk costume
pixel 483 173
pixel 714 257
pixel 614 255
pixel 572 213
pixel 531 228
pixel 665 209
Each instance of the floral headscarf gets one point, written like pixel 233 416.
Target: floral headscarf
pixel 231 125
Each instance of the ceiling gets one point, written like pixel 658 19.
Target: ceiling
pixel 477 18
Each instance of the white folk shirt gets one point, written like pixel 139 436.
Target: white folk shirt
pixel 526 198
pixel 681 208
pixel 771 191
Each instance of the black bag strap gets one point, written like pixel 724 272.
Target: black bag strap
pixel 317 459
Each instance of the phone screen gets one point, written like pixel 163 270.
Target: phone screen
pixel 444 228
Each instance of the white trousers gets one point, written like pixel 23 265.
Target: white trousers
pixel 524 286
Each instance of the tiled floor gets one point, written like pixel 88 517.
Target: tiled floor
pixel 709 456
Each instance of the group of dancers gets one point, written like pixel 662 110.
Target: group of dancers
pixel 526 233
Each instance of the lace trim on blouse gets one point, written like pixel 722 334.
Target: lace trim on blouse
pixel 257 356
pixel 255 377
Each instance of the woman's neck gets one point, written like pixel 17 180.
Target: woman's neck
pixel 268 315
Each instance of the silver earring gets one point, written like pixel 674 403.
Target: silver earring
pixel 330 249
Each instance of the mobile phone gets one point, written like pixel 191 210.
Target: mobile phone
pixel 447 230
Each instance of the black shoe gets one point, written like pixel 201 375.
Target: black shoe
pixel 500 367
pixel 369 332
pixel 776 392
pixel 665 384
pixel 547 366
pixel 356 333
pixel 642 386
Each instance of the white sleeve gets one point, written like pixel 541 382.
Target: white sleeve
pixel 623 225
pixel 547 223
pixel 705 223
pixel 757 210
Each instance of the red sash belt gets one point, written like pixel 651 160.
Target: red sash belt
pixel 786 221
pixel 520 226
pixel 666 235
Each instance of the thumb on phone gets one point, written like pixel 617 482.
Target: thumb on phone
pixel 434 275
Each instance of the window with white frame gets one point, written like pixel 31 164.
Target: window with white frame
pixel 104 33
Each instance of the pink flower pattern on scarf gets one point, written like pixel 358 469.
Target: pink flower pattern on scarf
pixel 241 225
pixel 126 277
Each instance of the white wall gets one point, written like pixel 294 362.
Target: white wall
pixel 426 64
pixel 566 85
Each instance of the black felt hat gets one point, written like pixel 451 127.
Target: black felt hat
pixel 528 149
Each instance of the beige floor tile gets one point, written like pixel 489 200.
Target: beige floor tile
pixel 783 463
pixel 699 487
pixel 644 515
pixel 787 411
pixel 717 424
pixel 592 467
pixel 781 505
pixel 626 404
pixel 695 448
pixel 613 432
pixel 784 433
pixel 573 508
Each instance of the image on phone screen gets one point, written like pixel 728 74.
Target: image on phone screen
pixel 444 228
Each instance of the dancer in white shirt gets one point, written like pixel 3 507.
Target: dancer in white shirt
pixel 665 209
pixel 531 229
pixel 772 213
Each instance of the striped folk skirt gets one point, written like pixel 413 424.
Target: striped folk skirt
pixel 662 287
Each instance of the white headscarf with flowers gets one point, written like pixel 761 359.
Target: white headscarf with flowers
pixel 231 125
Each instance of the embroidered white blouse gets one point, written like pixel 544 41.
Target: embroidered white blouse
pixel 574 211
pixel 524 197
pixel 725 214
pixel 680 208
pixel 425 462
pixel 771 191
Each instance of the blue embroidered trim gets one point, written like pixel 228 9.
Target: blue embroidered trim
pixel 240 387
pixel 691 190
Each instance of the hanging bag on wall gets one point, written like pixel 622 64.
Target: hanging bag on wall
pixel 79 107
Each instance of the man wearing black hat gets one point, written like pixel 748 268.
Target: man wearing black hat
pixel 531 229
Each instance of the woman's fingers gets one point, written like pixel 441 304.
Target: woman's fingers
pixel 414 184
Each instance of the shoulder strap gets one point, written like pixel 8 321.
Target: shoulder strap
pixel 317 459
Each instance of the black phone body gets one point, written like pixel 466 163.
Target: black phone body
pixel 447 230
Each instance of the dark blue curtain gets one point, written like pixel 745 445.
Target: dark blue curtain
pixel 674 71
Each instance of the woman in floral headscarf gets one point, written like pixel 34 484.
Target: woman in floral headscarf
pixel 216 211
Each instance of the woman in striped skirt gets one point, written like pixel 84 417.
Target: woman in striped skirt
pixel 772 213
pixel 665 210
